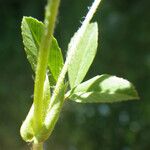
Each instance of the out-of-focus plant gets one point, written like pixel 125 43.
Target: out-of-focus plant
pixel 52 88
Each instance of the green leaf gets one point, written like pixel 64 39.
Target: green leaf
pixel 32 32
pixel 26 129
pixel 104 88
pixel 84 55
pixel 52 115
pixel 46 96
pixel 55 62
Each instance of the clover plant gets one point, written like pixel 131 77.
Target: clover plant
pixel 52 86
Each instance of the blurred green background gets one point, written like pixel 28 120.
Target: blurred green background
pixel 124 50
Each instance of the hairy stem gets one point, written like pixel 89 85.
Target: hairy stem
pixel 38 146
pixel 72 50
pixel 51 14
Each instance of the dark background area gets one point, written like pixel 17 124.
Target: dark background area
pixel 124 50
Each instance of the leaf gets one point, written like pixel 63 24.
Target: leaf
pixel 32 32
pixel 26 129
pixel 104 88
pixel 55 62
pixel 84 55
pixel 52 115
pixel 46 96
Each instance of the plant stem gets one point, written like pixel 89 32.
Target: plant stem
pixel 72 50
pixel 38 146
pixel 50 18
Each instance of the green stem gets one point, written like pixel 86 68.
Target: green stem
pixel 51 14
pixel 73 50
pixel 49 121
pixel 38 146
